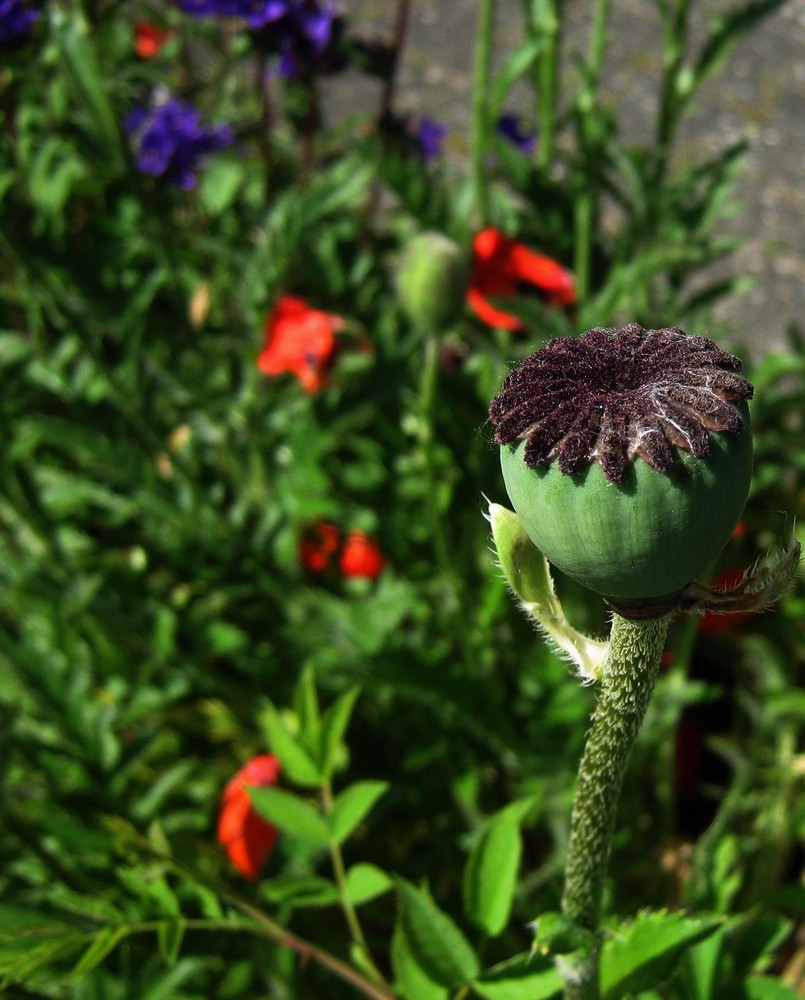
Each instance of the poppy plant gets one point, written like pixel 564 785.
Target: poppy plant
pixel 503 268
pixel 360 557
pixel 247 838
pixel 149 39
pixel 299 340
pixel 318 546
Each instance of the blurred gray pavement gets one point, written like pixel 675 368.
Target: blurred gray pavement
pixel 759 94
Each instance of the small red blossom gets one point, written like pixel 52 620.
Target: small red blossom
pixel 361 557
pixel 149 39
pixel 247 838
pixel 319 544
pixel 502 267
pixel 299 340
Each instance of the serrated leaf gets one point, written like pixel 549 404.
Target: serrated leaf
pixel 490 876
pixel 366 882
pixel 645 951
pixel 434 939
pixel 334 726
pixel 291 814
pixel 352 805
pixel 410 980
pixel 297 764
pixel 526 977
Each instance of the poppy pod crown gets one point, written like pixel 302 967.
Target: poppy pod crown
pixel 627 455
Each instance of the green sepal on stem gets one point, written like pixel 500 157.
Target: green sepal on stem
pixel 528 574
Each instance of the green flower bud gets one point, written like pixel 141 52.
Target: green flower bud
pixel 627 454
pixel 432 281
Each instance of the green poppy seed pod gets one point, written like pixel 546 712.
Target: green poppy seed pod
pixel 432 281
pixel 627 454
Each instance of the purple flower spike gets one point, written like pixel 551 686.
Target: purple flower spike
pixel 170 140
pixel 509 127
pixel 16 20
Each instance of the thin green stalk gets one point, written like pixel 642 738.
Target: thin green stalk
pixel 267 927
pixel 675 36
pixel 626 684
pixel 586 201
pixel 549 24
pixel 480 107
pixel 350 915
pixel 427 413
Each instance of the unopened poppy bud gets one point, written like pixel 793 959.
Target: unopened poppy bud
pixel 628 455
pixel 432 281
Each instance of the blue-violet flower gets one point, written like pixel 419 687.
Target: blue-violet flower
pixel 16 19
pixel 170 140
pixel 510 128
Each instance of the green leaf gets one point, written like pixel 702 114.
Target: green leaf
pixel 299 890
pixel 352 805
pixel 297 763
pixel 409 978
pixel 727 32
pixel 490 877
pixel 306 705
pixel 170 935
pixel 525 977
pixel 366 882
pixel 334 726
pixel 766 988
pixel 20 966
pixel 700 970
pixel 642 953
pixel 517 65
pixel 102 944
pixel 435 941
pixel 292 815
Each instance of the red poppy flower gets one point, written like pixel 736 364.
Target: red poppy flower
pixel 246 837
pixel 502 268
pixel 360 557
pixel 318 546
pixel 300 340
pixel 149 39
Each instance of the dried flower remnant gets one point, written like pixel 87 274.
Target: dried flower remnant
pixel 247 838
pixel 504 268
pixel 299 340
pixel 611 396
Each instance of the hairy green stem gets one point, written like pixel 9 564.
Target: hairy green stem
pixel 627 681
pixel 480 107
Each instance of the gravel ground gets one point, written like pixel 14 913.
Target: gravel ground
pixel 759 94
